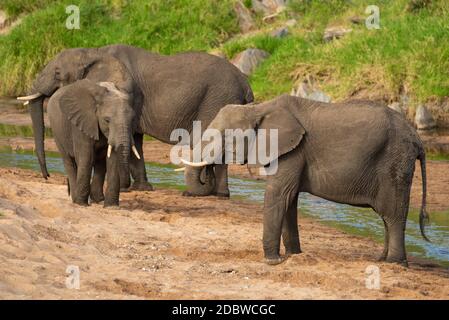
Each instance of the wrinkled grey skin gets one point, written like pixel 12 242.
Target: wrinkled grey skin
pixel 357 153
pixel 169 92
pixel 84 118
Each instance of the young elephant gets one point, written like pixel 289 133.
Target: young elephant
pixel 357 153
pixel 91 121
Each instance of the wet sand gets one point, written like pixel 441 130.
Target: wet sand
pixel 160 245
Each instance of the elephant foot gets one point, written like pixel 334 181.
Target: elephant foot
pixel 111 206
pixel 275 260
pixel 96 198
pixel 81 202
pixel 141 186
pixel 190 194
pixel 291 252
pixel 400 261
pixel 222 195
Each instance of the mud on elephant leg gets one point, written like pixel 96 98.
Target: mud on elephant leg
pixel 137 167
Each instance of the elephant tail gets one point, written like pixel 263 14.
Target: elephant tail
pixel 68 187
pixel 423 215
pixel 248 96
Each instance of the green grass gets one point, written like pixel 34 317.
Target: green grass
pixel 166 27
pixel 8 130
pixel 410 51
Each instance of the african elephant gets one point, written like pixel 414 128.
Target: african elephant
pixel 357 153
pixel 89 120
pixel 168 92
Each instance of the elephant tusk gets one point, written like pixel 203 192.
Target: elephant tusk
pixel 194 164
pixel 26 103
pixel 30 97
pixel 136 153
pixel 180 169
pixel 109 151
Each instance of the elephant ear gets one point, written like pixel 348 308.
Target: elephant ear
pixel 276 115
pixel 79 103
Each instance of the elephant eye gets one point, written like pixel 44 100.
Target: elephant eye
pixel 107 119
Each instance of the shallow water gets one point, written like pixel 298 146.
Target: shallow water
pixel 353 220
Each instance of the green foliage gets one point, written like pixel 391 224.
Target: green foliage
pixel 408 51
pixel 166 27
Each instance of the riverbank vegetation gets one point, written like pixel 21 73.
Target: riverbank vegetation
pixel 408 54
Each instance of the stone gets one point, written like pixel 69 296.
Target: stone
pixel 291 23
pixel 306 91
pixel 356 20
pixel 246 22
pixel 3 19
pixel 424 119
pixel 332 33
pixel 396 106
pixel 279 33
pixel 248 60
pixel 268 6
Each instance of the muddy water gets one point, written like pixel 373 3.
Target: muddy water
pixel 354 220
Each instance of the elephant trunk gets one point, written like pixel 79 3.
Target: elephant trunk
pixel 36 109
pixel 200 181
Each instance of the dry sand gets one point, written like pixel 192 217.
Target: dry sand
pixel 160 245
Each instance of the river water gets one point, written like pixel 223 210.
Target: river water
pixel 360 221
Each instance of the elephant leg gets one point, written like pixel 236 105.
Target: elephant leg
pixel 112 194
pixel 83 176
pixel 394 209
pixel 280 194
pixel 96 187
pixel 70 169
pixel 221 178
pixel 137 167
pixel 290 233
pixel 384 254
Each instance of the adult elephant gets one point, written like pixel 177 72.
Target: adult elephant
pixel 357 153
pixel 168 92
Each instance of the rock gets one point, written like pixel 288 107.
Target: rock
pixel 356 20
pixel 3 18
pixel 268 6
pixel 305 90
pixel 424 119
pixel 248 60
pixel 279 33
pixel 291 23
pixel 246 22
pixel 332 33
pixel 396 106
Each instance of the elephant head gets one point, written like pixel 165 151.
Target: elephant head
pixel 68 67
pixel 92 106
pixel 269 115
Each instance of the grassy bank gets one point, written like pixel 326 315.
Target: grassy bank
pixel 162 26
pixel 409 53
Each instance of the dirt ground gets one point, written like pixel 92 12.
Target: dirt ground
pixel 160 245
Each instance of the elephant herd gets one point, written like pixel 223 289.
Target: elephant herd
pixel 103 100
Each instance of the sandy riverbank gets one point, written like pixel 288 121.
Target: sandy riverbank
pixel 161 245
